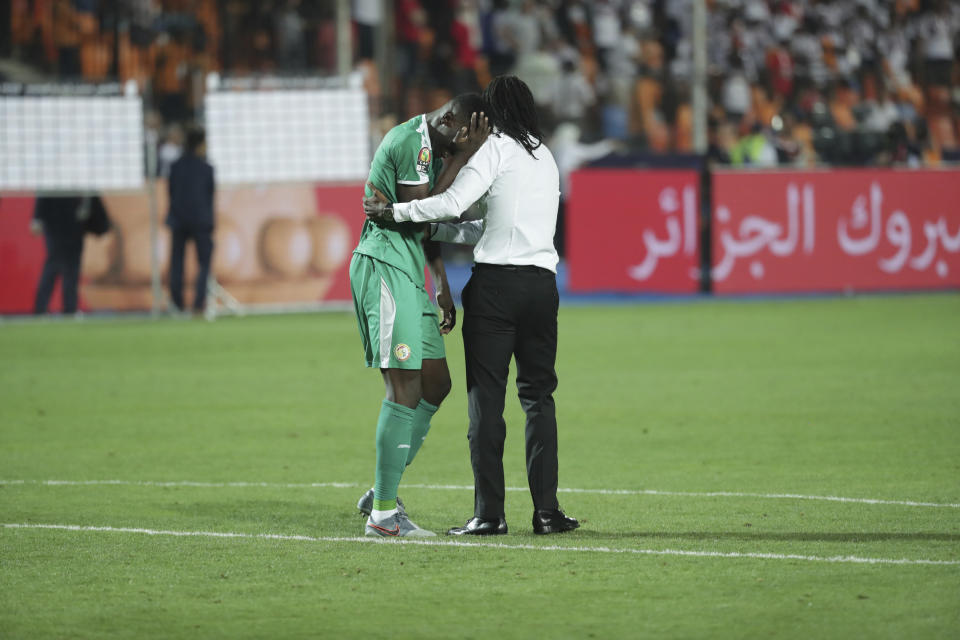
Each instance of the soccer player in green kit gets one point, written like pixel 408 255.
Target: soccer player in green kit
pixel 398 323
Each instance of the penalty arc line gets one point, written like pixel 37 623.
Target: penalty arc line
pixel 451 487
pixel 487 545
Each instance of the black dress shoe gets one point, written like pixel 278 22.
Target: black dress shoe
pixel 479 527
pixel 552 521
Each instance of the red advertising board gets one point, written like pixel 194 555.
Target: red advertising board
pixel 21 257
pixel 838 230
pixel 633 231
pixel 275 244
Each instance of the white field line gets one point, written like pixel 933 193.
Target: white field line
pixel 453 487
pixel 489 545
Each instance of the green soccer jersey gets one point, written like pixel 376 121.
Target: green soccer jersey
pixel 404 157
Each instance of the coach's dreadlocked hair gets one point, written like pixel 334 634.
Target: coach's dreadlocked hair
pixel 512 110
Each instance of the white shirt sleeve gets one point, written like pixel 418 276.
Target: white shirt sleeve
pixel 458 232
pixel 471 183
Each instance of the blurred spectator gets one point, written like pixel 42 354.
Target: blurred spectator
pixel 289 35
pixel 6 32
pixel 367 15
pixel 807 50
pixel 502 37
pixel 720 140
pixel 882 112
pixel 63 220
pixel 526 28
pixel 66 36
pixel 789 147
pixel 467 40
pixel 453 55
pixel 260 55
pixel 570 154
pixel 779 66
pixel 190 217
pixel 842 98
pixel 755 149
pixel 902 147
pixel 410 21
pixel 938 29
pixel 170 150
pixel 736 91
pixel 572 94
pixel 622 63
pixel 171 58
pixel 943 135
pixel 647 118
pixel 606 30
pixel 540 70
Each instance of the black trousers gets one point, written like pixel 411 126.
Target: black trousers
pixel 63 260
pixel 203 240
pixel 511 312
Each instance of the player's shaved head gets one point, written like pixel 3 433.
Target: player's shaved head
pixel 446 121
pixel 465 104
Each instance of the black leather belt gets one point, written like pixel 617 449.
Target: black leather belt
pixel 483 266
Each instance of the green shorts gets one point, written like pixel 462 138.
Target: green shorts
pixel 399 326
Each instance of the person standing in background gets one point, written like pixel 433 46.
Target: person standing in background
pixel 190 217
pixel 61 220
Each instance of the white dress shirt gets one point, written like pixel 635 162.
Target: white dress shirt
pixel 518 195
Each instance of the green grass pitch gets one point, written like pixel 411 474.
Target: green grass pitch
pixel 705 416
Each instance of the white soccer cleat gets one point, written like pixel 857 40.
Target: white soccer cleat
pixel 397 525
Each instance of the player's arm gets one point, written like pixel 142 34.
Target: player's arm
pixel 431 250
pixel 408 192
pixel 474 180
pixel 468 232
pixel 479 161
pixel 438 273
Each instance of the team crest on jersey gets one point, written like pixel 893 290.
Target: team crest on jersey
pixel 401 351
pixel 423 159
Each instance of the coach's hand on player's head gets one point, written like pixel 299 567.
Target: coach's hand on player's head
pixel 472 137
pixel 377 207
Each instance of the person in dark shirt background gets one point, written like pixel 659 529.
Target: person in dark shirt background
pixel 63 220
pixel 190 217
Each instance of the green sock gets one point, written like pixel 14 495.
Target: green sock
pixel 421 425
pixel 393 443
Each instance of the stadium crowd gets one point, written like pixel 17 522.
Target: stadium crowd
pixel 791 82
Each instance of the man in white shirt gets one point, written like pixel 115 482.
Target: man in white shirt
pixel 510 303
